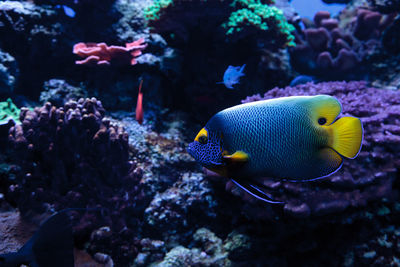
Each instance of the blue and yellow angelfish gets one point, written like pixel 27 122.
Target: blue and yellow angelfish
pixel 292 138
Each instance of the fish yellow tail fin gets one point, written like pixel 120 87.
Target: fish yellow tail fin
pixel 346 136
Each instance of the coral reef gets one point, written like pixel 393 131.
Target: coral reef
pixel 102 54
pixel 217 30
pixel 40 38
pixel 386 73
pixel 188 202
pixel 208 251
pixel 368 177
pixel 59 92
pixel 239 18
pixel 8 73
pixel 391 39
pixel 334 49
pixel 386 6
pixel 144 201
pixel 255 15
pixel 71 157
pixel 30 28
pixel 382 249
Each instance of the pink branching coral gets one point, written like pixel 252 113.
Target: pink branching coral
pixel 102 54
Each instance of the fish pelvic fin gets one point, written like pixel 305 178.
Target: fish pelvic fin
pixel 346 135
pixel 255 191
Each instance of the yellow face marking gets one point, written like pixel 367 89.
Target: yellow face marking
pixel 203 132
pixel 325 110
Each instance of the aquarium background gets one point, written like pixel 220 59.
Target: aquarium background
pixel 73 134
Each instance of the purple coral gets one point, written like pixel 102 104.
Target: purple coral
pixel 72 157
pixel 368 177
pixel 331 50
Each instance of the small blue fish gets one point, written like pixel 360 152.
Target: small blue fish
pixel 67 10
pixel 232 76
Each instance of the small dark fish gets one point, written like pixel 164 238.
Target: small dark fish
pixel 139 105
pixel 232 76
pixel 51 245
pixel 302 79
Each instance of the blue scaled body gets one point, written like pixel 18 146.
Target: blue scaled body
pixel 294 138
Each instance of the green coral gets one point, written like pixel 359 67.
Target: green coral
pixel 243 14
pixel 261 16
pixel 8 111
pixel 153 11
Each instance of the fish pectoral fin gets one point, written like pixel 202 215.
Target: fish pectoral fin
pixel 347 136
pixel 237 157
pixel 256 192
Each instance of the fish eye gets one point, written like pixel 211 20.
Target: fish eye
pixel 321 121
pixel 203 139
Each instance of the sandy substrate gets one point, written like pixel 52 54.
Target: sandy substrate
pixel 14 232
